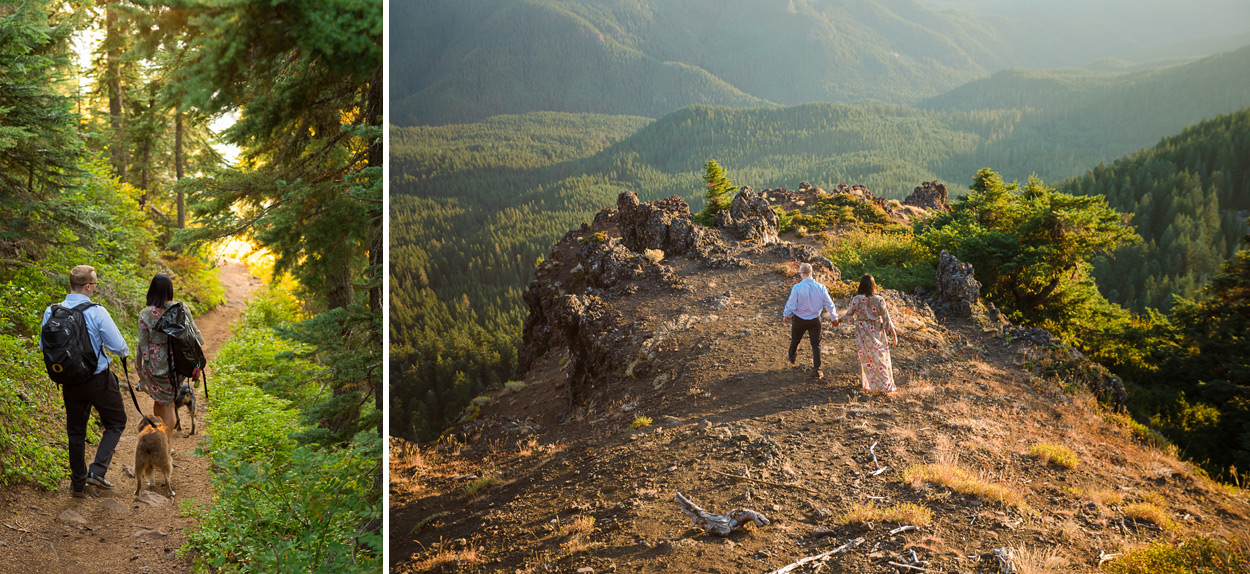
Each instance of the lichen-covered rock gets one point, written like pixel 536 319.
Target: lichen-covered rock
pixel 608 263
pixel 957 290
pixel 929 195
pixel 750 218
pixel 645 225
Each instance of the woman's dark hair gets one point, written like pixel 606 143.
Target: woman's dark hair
pixel 161 290
pixel 867 285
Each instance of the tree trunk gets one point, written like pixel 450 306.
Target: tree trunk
pixel 373 117
pixel 117 120
pixel 178 168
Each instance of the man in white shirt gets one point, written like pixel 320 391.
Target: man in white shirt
pixel 807 299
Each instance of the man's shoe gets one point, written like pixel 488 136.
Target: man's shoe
pixel 790 358
pixel 78 493
pixel 820 375
pixel 98 481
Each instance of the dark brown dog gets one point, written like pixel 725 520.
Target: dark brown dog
pixel 184 397
pixel 152 454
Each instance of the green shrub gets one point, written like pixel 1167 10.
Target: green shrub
pixel 841 210
pixel 1191 556
pixel 896 260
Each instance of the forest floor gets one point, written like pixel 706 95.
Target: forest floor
pixel 113 531
pixel 536 488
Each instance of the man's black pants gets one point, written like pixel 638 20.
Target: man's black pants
pixel 798 326
pixel 102 392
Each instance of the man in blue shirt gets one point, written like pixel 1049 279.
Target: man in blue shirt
pixel 807 299
pixel 101 391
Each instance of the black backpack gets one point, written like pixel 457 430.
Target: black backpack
pixel 67 350
pixel 185 353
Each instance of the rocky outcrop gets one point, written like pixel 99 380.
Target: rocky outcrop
pixel 665 225
pixel 808 254
pixel 591 331
pixel 957 290
pixel 750 218
pixel 608 263
pixel 929 195
pixel 646 225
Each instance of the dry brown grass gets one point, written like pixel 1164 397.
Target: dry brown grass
pixel 443 558
pixel 1149 512
pixel 1106 497
pixel 576 532
pixel 1055 453
pixel 1039 561
pixel 580 525
pixel 962 481
pixel 904 513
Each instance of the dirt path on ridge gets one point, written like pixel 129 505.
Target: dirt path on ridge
pixel 115 532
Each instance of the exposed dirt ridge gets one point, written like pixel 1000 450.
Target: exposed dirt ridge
pixel 695 343
pixel 112 531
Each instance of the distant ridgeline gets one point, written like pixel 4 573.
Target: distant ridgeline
pixel 475 205
pixel 467 61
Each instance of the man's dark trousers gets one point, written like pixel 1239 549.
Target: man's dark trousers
pixel 798 326
pixel 102 392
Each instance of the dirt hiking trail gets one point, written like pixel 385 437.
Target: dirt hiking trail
pixel 113 531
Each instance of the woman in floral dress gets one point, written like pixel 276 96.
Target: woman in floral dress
pixel 872 325
pixel 155 377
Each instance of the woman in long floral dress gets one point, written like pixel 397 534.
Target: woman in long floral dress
pixel 872 325
pixel 155 377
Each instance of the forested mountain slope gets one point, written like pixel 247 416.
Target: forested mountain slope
pixel 473 205
pixel 460 62
pixel 1189 196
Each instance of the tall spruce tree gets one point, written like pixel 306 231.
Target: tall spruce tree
pixel 305 78
pixel 39 144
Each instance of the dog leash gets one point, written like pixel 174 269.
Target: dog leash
pixel 138 409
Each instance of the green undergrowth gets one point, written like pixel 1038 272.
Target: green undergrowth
pixel 896 260
pixel 101 226
pixel 1195 555
pixel 281 506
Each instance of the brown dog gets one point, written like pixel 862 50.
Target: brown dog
pixel 152 454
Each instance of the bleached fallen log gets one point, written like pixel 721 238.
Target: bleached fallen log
pixel 1103 557
pixel 719 524
pixel 819 557
pixel 907 528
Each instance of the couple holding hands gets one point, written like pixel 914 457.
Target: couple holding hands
pixel 872 325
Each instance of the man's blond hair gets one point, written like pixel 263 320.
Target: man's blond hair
pixel 80 276
pixel 805 269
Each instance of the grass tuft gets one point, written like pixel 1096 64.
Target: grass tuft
pixel 962 481
pixel 905 513
pixel 1149 512
pixel 1054 453
pixel 478 487
pixel 640 421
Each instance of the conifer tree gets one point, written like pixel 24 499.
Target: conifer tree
pixel 39 144
pixel 718 191
pixel 305 79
